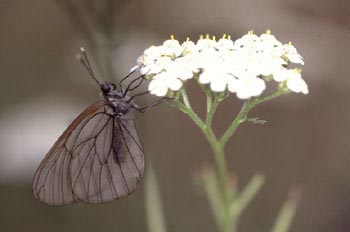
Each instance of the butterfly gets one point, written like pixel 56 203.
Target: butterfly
pixel 99 157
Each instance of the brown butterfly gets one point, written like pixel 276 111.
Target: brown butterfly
pixel 98 158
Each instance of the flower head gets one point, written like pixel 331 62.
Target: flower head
pixel 243 66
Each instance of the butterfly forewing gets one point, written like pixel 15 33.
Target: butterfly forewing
pixel 97 159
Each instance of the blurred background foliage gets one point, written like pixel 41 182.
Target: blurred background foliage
pixel 304 143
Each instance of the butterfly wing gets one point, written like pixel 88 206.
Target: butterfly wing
pixel 113 167
pixel 97 159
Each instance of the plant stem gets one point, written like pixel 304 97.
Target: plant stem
pixel 226 208
pixel 218 149
pixel 240 118
pixel 211 109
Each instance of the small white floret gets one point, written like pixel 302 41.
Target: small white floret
pixel 161 83
pixel 295 83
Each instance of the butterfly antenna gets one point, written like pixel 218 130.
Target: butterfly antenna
pixel 86 63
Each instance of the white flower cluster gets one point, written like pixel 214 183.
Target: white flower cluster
pixel 243 66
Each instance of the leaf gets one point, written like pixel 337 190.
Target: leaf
pixel 287 212
pixel 154 211
pixel 256 121
pixel 212 190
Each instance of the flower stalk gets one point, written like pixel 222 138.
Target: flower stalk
pixel 221 193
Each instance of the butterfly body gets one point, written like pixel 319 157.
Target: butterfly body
pixel 121 104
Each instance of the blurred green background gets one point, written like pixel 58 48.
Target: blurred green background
pixel 305 142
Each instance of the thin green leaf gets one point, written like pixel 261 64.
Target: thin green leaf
pixel 154 211
pixel 256 121
pixel 248 193
pixel 214 195
pixel 287 212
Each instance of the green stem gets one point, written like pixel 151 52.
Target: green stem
pixel 208 95
pixel 259 100
pixel 240 118
pixel 223 175
pixel 211 109
pixel 185 99
pixel 220 161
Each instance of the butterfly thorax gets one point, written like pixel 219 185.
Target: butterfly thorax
pixel 115 99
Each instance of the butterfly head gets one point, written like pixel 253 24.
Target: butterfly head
pixel 107 87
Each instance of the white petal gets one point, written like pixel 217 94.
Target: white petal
pixel 293 55
pixel 189 47
pixel 157 88
pixel 270 39
pixel 281 74
pixel 295 58
pixel 172 47
pixel 246 41
pixel 297 85
pixel 152 69
pixel 217 85
pixel 250 87
pixel 171 43
pixel 204 44
pixel 174 84
pixel 259 87
pixel 185 75
pixel 243 92
pixel 225 44
pixel 205 77
pixel 144 70
pixel 151 54
pixel 232 85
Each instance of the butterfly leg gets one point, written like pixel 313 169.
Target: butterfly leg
pixel 130 88
pixel 124 78
pixel 144 109
pixel 137 95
